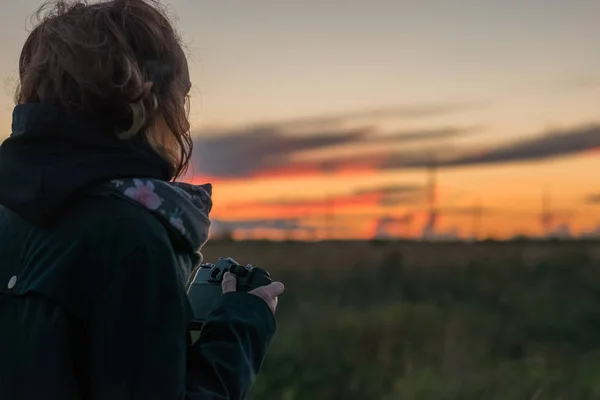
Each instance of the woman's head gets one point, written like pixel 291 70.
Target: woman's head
pixel 119 61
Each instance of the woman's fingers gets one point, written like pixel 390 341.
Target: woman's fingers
pixel 269 294
pixel 229 283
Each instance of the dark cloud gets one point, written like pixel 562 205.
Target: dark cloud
pixel 427 135
pixel 395 195
pixel 501 212
pixel 467 211
pixel 547 146
pixel 402 200
pixel 257 150
pixel 543 147
pixel 220 226
pixel 270 149
pixel 389 189
pixel 593 198
pixel 266 147
pixel 383 195
pixel 246 152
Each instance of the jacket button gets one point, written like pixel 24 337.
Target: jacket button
pixel 12 282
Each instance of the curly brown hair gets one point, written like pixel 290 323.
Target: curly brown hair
pixel 118 60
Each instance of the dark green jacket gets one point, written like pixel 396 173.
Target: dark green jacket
pixel 91 306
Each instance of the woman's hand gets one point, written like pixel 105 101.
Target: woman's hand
pixel 268 293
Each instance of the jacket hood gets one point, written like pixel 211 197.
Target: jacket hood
pixel 52 156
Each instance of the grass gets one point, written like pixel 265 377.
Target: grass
pixel 491 329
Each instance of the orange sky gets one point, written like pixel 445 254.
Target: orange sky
pixel 315 118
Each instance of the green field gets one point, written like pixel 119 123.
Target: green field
pixel 481 321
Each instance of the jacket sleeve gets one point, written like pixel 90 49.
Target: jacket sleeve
pixel 139 339
pixel 225 359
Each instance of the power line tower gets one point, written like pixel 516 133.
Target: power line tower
pixel 547 217
pixel 311 231
pixel 288 234
pixel 430 226
pixel 477 219
pixel 329 219
pixel 328 168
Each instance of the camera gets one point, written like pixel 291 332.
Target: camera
pixel 205 287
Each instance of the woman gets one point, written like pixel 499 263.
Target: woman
pixel 96 241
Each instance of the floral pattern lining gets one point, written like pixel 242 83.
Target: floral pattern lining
pixel 183 207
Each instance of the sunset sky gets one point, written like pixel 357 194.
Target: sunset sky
pixel 320 117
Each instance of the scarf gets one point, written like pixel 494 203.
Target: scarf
pixel 183 209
